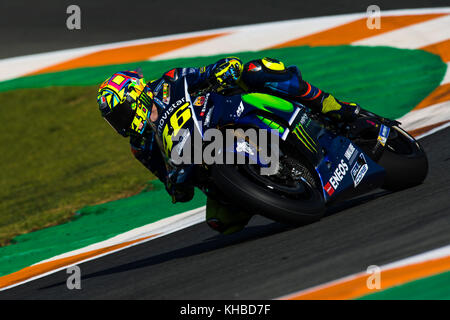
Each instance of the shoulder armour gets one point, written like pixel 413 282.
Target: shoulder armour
pixel 171 75
pixel 253 66
pixel 273 65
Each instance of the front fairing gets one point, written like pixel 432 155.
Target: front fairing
pixel 243 110
pixel 343 168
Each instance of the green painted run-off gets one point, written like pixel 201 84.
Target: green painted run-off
pixel 92 225
pixel 431 288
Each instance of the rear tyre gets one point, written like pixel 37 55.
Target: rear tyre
pixel 404 160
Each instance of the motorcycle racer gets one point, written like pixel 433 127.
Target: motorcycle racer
pixel 141 110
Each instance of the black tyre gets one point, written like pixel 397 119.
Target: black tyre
pixel 289 203
pixel 404 160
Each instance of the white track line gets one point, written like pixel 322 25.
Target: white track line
pixel 11 68
pixel 412 37
pixel 422 257
pixel 162 228
pixel 258 37
pixel 442 127
pixel 447 75
pixel 425 117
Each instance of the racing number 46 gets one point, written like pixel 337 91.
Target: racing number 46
pixel 177 121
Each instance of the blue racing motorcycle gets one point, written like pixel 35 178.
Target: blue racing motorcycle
pixel 319 161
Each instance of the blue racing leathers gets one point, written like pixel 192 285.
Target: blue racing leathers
pixel 262 75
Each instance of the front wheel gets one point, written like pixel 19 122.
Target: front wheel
pixel 293 200
pixel 404 160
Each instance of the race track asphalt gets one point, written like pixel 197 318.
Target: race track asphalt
pixel 28 27
pixel 267 259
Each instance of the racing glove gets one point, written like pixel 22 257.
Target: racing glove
pixel 338 110
pixel 226 73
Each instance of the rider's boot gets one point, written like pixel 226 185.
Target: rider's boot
pixel 225 219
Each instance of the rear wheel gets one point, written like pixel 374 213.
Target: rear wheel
pixel 404 160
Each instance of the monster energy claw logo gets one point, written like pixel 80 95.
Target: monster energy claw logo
pixel 305 138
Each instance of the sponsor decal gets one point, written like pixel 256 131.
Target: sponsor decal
pixel 159 103
pixel 168 111
pixel 239 110
pixel 359 170
pixel 304 119
pixel 208 116
pixel 338 174
pixel 305 138
pixel 352 159
pixel 205 104
pixel 329 189
pixel 186 71
pixel 166 93
pixel 199 101
pixel 158 87
pixel 350 150
pixel 383 135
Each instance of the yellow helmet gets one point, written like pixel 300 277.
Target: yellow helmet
pixel 124 101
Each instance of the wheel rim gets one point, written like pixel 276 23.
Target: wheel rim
pixel 292 188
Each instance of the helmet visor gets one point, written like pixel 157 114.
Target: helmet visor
pixel 120 118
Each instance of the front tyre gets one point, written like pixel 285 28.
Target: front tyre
pixel 404 160
pixel 292 204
